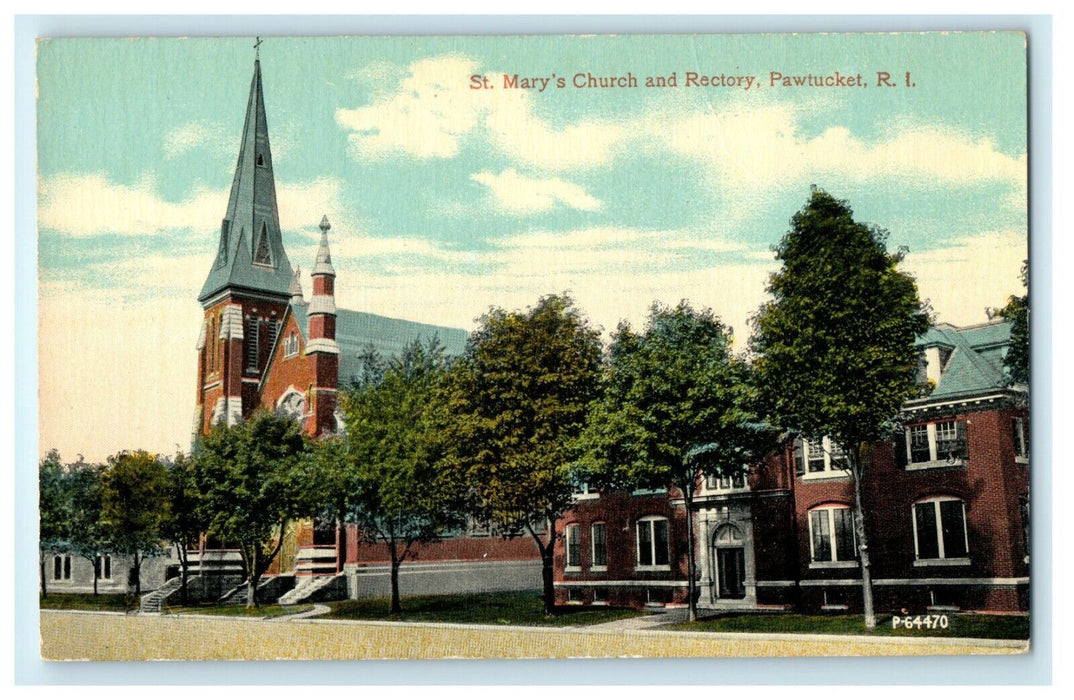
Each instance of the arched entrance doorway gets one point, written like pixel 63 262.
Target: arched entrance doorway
pixel 729 561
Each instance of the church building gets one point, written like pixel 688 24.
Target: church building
pixel 264 345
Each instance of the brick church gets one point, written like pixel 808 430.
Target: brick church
pixel 263 344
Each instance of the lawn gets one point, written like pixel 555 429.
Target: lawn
pixel 958 625
pixel 476 608
pixel 264 611
pixel 107 602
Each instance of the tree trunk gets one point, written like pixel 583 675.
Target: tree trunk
pixel 253 576
pixel 96 573
pixel 341 544
pixel 183 564
pixel 44 586
pixel 138 574
pixel 691 584
pixel 394 605
pixel 547 551
pixel 548 595
pixel 863 544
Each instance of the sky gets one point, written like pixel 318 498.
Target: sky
pixel 446 200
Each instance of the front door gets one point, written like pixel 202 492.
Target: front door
pixel 731 569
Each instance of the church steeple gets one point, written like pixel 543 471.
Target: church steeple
pixel 250 253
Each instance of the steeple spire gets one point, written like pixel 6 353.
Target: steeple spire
pixel 251 254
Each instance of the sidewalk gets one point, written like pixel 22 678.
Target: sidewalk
pixel 642 622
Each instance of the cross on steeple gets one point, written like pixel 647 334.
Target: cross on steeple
pixel 257 49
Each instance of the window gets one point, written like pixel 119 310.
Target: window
pixel 1023 503
pixel 940 530
pixel 943 443
pixel 572 541
pixel 599 540
pixel 251 342
pixel 263 254
pixel 104 567
pixel 831 534
pixel 819 458
pixel 1020 438
pixel 653 542
pixel 61 567
pixel 583 492
pixel 732 482
pixel 290 345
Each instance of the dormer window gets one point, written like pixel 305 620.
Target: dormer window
pixel 261 160
pixel 263 254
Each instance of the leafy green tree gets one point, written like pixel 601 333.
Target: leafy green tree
pixel 834 346
pixel 250 476
pixel 183 520
pixel 674 410
pixel 88 534
pixel 395 492
pixel 134 506
pixel 1017 311
pixel 518 397
pixel 53 522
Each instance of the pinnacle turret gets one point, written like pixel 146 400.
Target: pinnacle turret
pixel 296 288
pixel 323 266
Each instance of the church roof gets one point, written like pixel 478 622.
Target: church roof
pixel 357 331
pixel 250 253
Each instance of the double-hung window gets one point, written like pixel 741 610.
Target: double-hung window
pixel 652 547
pixel 598 534
pixel 940 531
pixel 819 459
pixel 831 535
pixel 1020 439
pixel 937 444
pixel 573 544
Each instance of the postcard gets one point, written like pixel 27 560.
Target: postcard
pixel 533 346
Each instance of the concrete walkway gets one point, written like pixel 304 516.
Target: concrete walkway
pixel 642 622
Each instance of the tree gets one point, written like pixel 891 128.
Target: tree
pixel 88 536
pixel 53 523
pixel 183 522
pixel 518 397
pixel 1017 311
pixel 834 346
pixel 133 507
pixel 674 410
pixel 395 492
pixel 250 476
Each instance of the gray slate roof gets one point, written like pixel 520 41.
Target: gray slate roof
pixel 251 208
pixel 356 331
pixel 976 361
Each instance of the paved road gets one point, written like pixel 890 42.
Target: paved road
pixel 111 637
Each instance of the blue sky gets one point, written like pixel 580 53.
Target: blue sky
pixel 446 200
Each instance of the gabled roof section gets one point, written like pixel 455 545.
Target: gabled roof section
pixel 250 254
pixel 976 362
pixel 356 331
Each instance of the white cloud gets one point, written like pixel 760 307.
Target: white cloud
pixel 90 205
pixel 521 194
pixel 972 273
pixel 194 135
pixel 756 147
pixel 434 110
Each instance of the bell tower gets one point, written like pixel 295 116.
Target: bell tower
pixel 248 287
